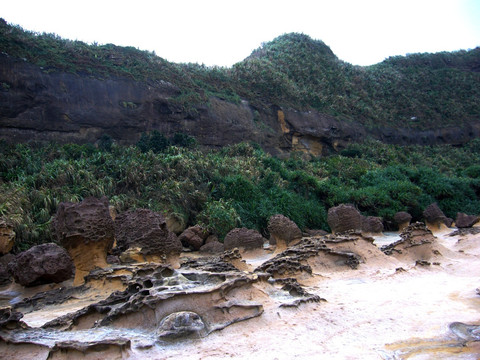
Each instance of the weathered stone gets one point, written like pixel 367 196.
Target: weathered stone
pixel 402 219
pixel 372 225
pixel 466 221
pixel 5 276
pixel 147 231
pixel 344 218
pixel 434 216
pixel 42 264
pixel 7 238
pixel 243 238
pixel 181 324
pixel 213 247
pixel 86 230
pixel 315 232
pixel 283 231
pixel 193 237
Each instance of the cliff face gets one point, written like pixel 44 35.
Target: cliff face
pixel 39 106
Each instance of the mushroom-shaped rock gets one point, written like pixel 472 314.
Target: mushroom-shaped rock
pixel 147 231
pixel 402 219
pixel 283 231
pixel 42 264
pixel 434 217
pixel 86 230
pixel 466 221
pixel 344 217
pixel 372 225
pixel 181 324
pixel 247 239
pixel 7 237
pixel 193 237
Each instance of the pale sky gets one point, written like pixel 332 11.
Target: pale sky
pixel 222 32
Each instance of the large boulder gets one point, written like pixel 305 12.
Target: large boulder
pixel 147 231
pixel 86 230
pixel 247 239
pixel 344 217
pixel 283 231
pixel 7 237
pixel 42 264
pixel 435 218
pixel 402 219
pixel 372 225
pixel 212 247
pixel 466 221
pixel 193 237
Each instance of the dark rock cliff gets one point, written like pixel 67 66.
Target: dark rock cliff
pixel 36 105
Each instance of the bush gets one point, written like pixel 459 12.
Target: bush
pixel 219 217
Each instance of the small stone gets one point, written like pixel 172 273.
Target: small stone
pixel 181 324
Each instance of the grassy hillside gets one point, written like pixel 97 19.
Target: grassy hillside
pixel 236 186
pixel 417 91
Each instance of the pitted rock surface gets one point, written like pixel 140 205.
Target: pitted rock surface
pixel 86 230
pixel 42 264
pixel 402 219
pixel 181 324
pixel 213 247
pixel 283 230
pixel 146 230
pixel 344 217
pixel 243 238
pixel 372 224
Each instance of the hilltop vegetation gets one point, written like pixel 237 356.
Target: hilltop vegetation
pixel 239 185
pixel 417 91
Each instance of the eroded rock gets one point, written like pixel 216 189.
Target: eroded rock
pixel 213 247
pixel 466 221
pixel 7 238
pixel 283 231
pixel 402 219
pixel 244 238
pixel 42 264
pixel 145 233
pixel 343 218
pixel 372 225
pixel 5 276
pixel 181 324
pixel 434 217
pixel 86 230
pixel 193 237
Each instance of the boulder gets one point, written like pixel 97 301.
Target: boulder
pixel 434 217
pixel 402 219
pixel 243 238
pixel 372 225
pixel 283 231
pixel 86 230
pixel 193 237
pixel 466 221
pixel 7 238
pixel 344 217
pixel 42 264
pixel 212 247
pixel 5 276
pixel 181 324
pixel 146 232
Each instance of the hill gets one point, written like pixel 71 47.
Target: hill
pixel 292 93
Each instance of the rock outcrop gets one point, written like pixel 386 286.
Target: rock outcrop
pixel 5 276
pixel 283 231
pixel 435 218
pixel 42 264
pixel 7 238
pixel 372 225
pixel 193 237
pixel 212 247
pixel 466 221
pixel 146 235
pixel 243 238
pixel 86 230
pixel 343 218
pixel 402 219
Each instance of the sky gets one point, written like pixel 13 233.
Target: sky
pixel 223 32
